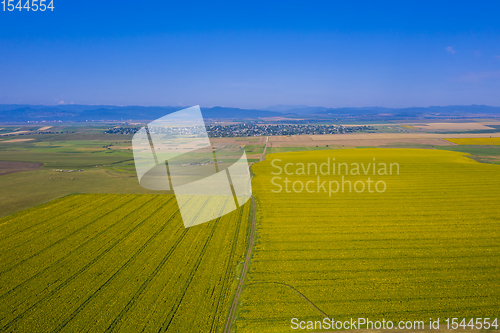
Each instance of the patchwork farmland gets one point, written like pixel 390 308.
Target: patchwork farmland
pixel 110 262
pixel 426 247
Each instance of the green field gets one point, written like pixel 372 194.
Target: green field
pixel 124 263
pixel 426 247
pixel 254 149
pixel 107 162
pixel 483 154
pixel 72 153
pixel 107 165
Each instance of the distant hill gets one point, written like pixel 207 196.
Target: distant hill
pixel 395 114
pixel 80 113
pixel 219 112
pixel 448 110
pixel 406 113
pixel 287 108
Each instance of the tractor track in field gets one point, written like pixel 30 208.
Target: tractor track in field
pixel 145 284
pixel 71 252
pixel 228 270
pixel 29 212
pixel 168 320
pixel 234 305
pixel 62 221
pixel 298 292
pixel 72 277
pixel 124 266
pixel 74 232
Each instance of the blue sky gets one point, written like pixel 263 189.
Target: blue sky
pixel 252 54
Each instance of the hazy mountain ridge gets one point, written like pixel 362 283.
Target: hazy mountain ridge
pixel 411 111
pixel 80 113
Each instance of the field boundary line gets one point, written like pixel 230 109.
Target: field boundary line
pixel 228 268
pixel 263 156
pixel 244 271
pixel 248 255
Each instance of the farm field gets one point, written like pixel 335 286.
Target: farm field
pixel 455 126
pixel 484 154
pixel 68 154
pixel 22 190
pixel 106 160
pixel 107 168
pixel 370 139
pixel 475 141
pixel 426 247
pixel 13 167
pixel 117 263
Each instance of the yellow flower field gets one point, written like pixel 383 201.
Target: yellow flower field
pixel 117 263
pixel 475 141
pixel 426 247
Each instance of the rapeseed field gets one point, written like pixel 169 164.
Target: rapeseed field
pixel 424 246
pixel 475 141
pixel 117 263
